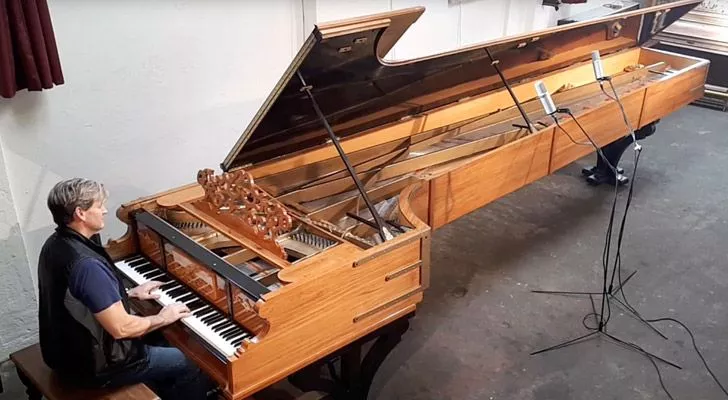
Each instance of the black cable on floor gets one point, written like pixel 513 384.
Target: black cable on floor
pixel 695 345
pixel 649 357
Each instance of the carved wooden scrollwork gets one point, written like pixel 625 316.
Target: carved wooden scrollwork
pixel 236 193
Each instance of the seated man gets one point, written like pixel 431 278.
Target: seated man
pixel 87 334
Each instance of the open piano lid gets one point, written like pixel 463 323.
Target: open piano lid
pixel 357 90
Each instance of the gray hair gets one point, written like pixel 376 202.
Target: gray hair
pixel 69 194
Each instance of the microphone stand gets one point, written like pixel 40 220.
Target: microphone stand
pixel 608 291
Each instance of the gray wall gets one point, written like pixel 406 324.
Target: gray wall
pixel 18 319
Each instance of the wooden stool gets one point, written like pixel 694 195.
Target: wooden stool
pixel 42 381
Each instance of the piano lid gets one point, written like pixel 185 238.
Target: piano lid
pixel 357 90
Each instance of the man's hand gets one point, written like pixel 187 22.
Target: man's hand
pixel 144 291
pixel 174 312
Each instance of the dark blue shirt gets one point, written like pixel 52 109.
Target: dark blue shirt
pixel 94 285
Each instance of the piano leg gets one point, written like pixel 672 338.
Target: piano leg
pixel 355 375
pixel 30 389
pixel 601 173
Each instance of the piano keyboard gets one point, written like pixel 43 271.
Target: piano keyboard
pixel 211 325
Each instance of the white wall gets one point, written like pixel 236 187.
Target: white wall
pixel 445 25
pixel 156 90
pixel 17 295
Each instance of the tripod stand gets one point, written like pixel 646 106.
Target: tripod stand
pixel 601 323
pixel 608 291
pixel 611 293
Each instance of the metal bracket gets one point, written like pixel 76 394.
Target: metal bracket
pixel 658 23
pixel 614 30
pixel 384 234
pixel 494 63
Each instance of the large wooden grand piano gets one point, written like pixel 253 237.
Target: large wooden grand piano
pixel 284 261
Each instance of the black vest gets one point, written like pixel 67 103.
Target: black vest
pixel 74 343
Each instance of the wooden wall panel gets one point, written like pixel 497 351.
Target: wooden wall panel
pixel 489 177
pixel 669 95
pixel 604 125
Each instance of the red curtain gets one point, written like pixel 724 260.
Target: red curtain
pixel 28 52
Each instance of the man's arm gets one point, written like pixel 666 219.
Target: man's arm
pixel 122 325
pixel 98 290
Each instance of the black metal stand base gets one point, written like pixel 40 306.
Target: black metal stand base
pixel 345 375
pixel 614 339
pixel 611 294
pixel 601 173
pixel 600 328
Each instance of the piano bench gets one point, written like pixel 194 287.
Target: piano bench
pixel 40 380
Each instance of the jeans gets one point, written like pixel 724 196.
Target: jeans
pixel 169 374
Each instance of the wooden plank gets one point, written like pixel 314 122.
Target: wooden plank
pixel 673 92
pixel 676 61
pixel 191 193
pixel 489 177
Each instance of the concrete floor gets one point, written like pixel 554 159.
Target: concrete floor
pixel 479 321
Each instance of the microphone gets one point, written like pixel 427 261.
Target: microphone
pixel 545 97
pixel 597 64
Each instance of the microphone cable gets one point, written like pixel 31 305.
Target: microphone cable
pixel 548 104
pixel 607 251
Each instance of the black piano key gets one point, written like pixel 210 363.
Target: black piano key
pixel 238 336
pixel 174 293
pixel 230 329
pixel 131 260
pixel 138 262
pixel 164 279
pixel 231 334
pixel 219 325
pixel 186 298
pixel 213 318
pixel 238 339
pixel 208 318
pixel 195 305
pixel 223 326
pixel 202 311
pixel 145 268
pixel 169 285
pixel 152 274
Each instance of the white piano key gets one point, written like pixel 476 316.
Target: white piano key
pixel 205 331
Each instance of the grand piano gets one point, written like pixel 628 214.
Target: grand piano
pixel 318 231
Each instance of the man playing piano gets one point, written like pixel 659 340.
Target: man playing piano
pixel 87 334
